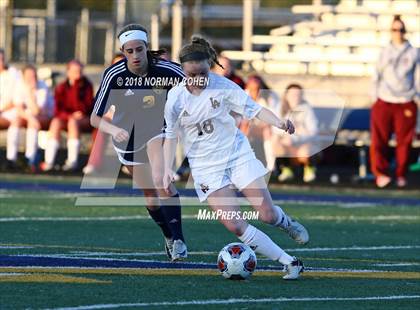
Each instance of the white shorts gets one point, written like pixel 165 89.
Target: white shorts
pixel 137 157
pixel 239 176
pixel 10 114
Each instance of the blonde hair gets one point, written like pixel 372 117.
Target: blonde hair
pixel 199 44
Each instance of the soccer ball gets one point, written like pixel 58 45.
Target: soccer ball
pixel 236 261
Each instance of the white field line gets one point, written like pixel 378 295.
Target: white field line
pixel 317 249
pixel 193 201
pixel 194 216
pixel 364 218
pixel 64 256
pixel 6 247
pixel 307 270
pixel 358 248
pixel 11 274
pixel 396 264
pixel 240 300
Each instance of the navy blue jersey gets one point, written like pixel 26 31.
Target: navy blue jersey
pixel 139 101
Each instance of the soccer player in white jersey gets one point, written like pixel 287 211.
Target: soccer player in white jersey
pixel 220 155
pixel 136 127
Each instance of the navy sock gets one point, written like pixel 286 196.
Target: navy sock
pixel 171 207
pixel 159 218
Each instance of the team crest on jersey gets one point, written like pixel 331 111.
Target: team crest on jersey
pixel 214 103
pixel 149 102
pixel 204 188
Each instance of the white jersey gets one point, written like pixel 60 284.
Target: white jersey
pixel 8 81
pixel 43 97
pixel 204 124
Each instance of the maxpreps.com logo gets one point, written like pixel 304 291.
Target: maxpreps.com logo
pixel 207 215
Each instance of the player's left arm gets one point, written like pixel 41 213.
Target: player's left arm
pixel 270 118
pixel 239 102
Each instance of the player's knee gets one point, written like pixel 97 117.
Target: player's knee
pixel 158 180
pixel 35 124
pixel 151 199
pixel 235 227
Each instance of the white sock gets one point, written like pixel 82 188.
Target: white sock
pixel 269 156
pixel 73 150
pixel 31 144
pixel 51 151
pixel 263 245
pixel 282 218
pixel 12 143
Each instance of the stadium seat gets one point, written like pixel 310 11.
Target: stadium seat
pixel 320 68
pixel 348 3
pixel 306 50
pixel 348 69
pixel 412 22
pixel 356 21
pixel 401 6
pixel 371 53
pixel 376 5
pixel 285 67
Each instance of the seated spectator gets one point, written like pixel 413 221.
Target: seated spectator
pixel 72 109
pixel 297 148
pixel 33 106
pixel 260 133
pixel 227 71
pixel 396 84
pixel 9 78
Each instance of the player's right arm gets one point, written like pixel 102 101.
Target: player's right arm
pixel 100 107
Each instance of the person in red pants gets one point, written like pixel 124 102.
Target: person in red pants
pixel 73 105
pixel 396 85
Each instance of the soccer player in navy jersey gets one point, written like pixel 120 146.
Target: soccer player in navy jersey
pixel 136 87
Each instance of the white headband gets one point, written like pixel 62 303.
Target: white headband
pixel 131 35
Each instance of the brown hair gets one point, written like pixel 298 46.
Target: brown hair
pixel 199 44
pixel 152 56
pixel 75 62
pixel 285 106
pixel 397 18
pixel 30 67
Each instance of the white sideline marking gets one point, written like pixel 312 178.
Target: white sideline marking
pixel 364 218
pixel 358 248
pixel 3 247
pixel 65 219
pixel 84 253
pixel 239 300
pixel 194 216
pixel 11 274
pixel 309 269
pixel 318 249
pixel 396 264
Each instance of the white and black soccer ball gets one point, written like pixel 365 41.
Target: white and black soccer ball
pixel 236 261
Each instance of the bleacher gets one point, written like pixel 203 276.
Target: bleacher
pixel 341 40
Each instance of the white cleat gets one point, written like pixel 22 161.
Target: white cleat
pixel 69 166
pixel 169 246
pixel 179 251
pixel 294 269
pixel 297 231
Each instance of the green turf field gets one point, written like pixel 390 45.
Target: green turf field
pixel 359 257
